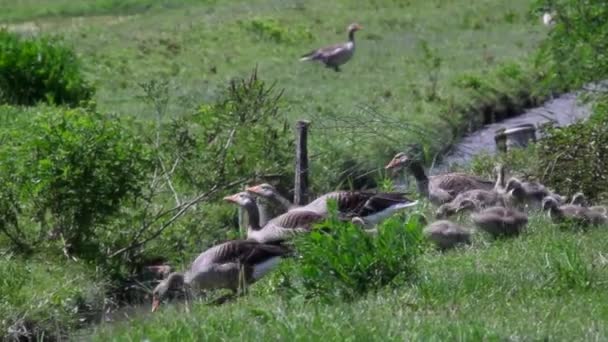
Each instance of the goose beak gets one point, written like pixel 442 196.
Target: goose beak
pixel 155 304
pixel 359 27
pixel 255 189
pixel 231 198
pixel 395 162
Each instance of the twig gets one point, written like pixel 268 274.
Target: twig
pixel 182 209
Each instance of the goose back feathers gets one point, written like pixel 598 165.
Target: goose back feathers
pixel 221 266
pixel 334 56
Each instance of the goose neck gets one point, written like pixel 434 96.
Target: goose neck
pixel 253 213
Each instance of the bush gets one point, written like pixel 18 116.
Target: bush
pixel 40 69
pixel 340 260
pixel 242 135
pixel 575 158
pixel 66 172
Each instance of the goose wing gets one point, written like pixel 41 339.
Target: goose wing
pixel 244 251
pixel 326 52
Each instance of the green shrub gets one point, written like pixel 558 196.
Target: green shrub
pixel 340 260
pixel 241 136
pixel 40 69
pixel 68 171
pixel 575 158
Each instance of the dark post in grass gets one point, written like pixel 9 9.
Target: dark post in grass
pixel 301 181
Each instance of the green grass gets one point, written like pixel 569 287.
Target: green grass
pixel 47 296
pixel 200 46
pixel 547 284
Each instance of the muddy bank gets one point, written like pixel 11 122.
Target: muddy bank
pixel 562 110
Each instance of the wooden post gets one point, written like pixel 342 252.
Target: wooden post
pixel 301 181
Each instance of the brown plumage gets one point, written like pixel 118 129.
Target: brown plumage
pixel 371 207
pixel 500 221
pixel 277 229
pixel 335 55
pixel 226 265
pixel 479 198
pixel 574 213
pixel 579 199
pixel 446 234
pixel 438 189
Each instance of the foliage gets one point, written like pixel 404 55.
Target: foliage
pixel 492 290
pixel 40 69
pixel 340 260
pixel 69 171
pixel 574 53
pixel 272 30
pixel 242 135
pixel 575 158
pixel 43 298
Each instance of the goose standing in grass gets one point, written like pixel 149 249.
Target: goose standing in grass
pixel 579 199
pixel 277 229
pixel 230 265
pixel 500 221
pixel 439 189
pixel 575 213
pixel 335 55
pixel 371 208
pixel 446 234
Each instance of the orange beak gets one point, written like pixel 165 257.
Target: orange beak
pixel 255 189
pixel 231 198
pixel 155 304
pixel 359 27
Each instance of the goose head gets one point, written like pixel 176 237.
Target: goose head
pixel 354 27
pixel 242 198
pixel 515 188
pixel 466 204
pixel 172 282
pixel 264 190
pixel 400 161
pixel 578 199
pixel 549 203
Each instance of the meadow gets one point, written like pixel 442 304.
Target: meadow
pixel 424 71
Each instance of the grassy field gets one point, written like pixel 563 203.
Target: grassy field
pixel 548 284
pixel 200 46
pixel 418 64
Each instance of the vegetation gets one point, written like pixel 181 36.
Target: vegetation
pixel 40 69
pixel 169 123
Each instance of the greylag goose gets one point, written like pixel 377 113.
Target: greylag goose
pixel 579 199
pixel 277 229
pixel 575 213
pixel 438 189
pixel 500 221
pixel 370 207
pixel 225 265
pixel 335 55
pixel 446 234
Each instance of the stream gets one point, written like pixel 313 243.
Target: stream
pixel 562 110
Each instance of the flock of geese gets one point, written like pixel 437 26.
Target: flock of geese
pixel 498 208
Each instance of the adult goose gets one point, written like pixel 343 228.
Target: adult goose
pixel 229 265
pixel 579 199
pixel 277 229
pixel 335 55
pixel 438 189
pixel 500 221
pixel 370 207
pixel 572 212
pixel 446 234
